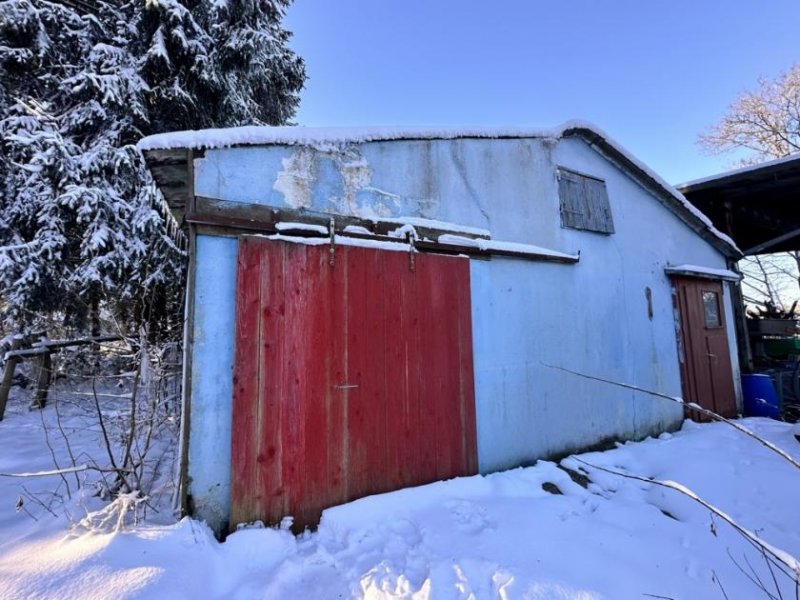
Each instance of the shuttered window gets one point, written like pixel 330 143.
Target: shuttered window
pixel 584 202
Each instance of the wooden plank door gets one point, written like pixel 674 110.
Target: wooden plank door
pixel 706 371
pixel 349 379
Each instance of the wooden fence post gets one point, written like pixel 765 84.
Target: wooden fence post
pixel 8 376
pixel 43 369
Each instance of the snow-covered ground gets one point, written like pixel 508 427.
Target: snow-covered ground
pixel 499 536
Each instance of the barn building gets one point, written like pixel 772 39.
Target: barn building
pixel 379 308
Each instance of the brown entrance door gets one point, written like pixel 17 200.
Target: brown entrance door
pixel 706 372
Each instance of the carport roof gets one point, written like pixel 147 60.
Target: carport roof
pixel 758 206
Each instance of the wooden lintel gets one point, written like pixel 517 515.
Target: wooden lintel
pixel 233 218
pixel 257 217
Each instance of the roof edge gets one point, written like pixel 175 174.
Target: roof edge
pixel 255 135
pixel 665 192
pixel 769 166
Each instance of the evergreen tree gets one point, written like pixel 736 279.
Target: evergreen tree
pixel 184 83
pixel 257 68
pixel 78 228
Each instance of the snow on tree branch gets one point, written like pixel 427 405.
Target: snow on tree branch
pixel 80 221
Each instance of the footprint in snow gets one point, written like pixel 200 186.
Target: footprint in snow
pixel 405 530
pixel 468 516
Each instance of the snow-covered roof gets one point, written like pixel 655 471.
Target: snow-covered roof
pixel 324 138
pixel 704 272
pixel 741 171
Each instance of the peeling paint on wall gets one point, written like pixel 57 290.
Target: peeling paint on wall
pixel 359 197
pixel 296 179
pixel 356 175
pixel 349 192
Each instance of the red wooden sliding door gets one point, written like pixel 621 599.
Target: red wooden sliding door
pixel 350 379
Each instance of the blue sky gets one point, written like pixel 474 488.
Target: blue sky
pixel 652 74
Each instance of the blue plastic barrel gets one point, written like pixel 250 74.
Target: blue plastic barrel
pixel 760 397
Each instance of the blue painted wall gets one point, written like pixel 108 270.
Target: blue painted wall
pixel 591 317
pixel 212 379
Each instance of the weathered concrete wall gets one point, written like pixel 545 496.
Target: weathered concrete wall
pixel 527 316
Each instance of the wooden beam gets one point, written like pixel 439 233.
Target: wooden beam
pixel 172 172
pixel 773 242
pixel 185 500
pixel 257 217
pixel 46 346
pixel 233 218
pixel 186 505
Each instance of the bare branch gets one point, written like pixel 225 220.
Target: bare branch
pixel 76 469
pixel 53 452
pixel 67 443
pixel 105 437
pixel 754 578
pixel 780 557
pixel 765 121
pixel 693 406
pixel 719 583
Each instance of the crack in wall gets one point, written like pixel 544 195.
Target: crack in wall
pixel 458 161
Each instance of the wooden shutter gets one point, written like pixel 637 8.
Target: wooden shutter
pixel 584 202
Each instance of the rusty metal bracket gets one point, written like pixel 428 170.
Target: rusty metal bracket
pixel 411 237
pixel 332 250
